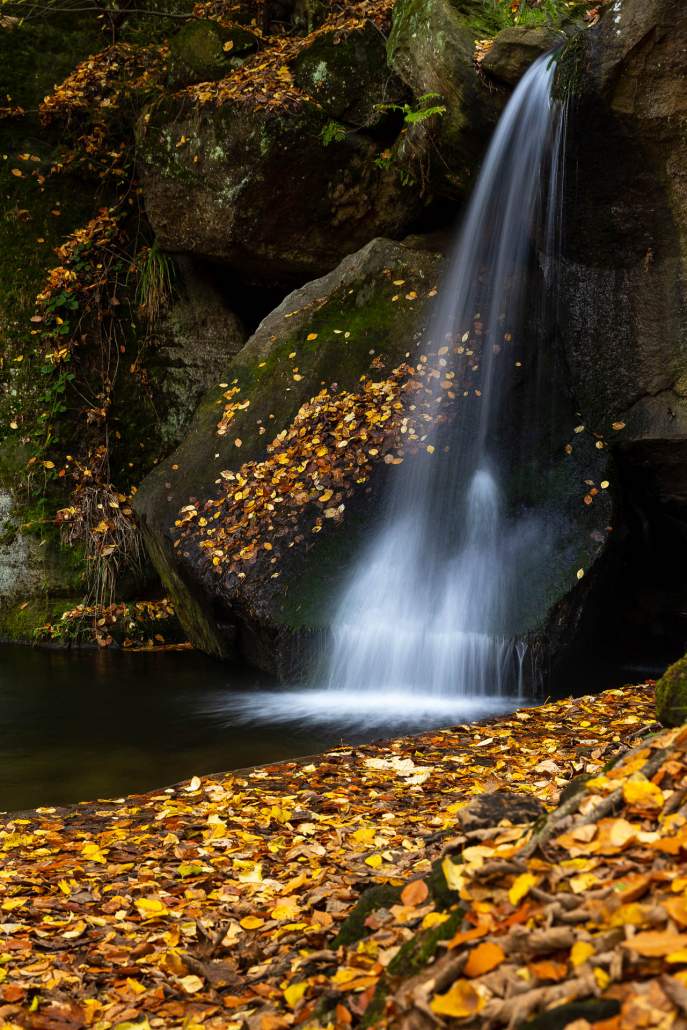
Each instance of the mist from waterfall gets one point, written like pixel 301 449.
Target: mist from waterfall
pixel 427 609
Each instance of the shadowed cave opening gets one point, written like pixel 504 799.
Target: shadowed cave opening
pixel 635 620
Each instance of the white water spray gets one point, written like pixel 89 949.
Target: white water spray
pixel 427 609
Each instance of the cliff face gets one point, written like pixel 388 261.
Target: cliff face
pixel 623 282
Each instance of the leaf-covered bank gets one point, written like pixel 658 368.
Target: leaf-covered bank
pixel 225 901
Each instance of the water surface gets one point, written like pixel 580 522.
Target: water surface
pixel 81 725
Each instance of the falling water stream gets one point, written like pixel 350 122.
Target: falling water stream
pixel 427 609
pixel 421 633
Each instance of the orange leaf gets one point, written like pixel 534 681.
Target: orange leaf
pixel 548 970
pixel 484 958
pixel 655 943
pixel 677 909
pixel 414 893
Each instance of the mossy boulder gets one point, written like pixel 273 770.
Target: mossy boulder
pixel 431 48
pixel 516 48
pixel 347 75
pixel 356 327
pixel 259 188
pixel 203 51
pixel 671 695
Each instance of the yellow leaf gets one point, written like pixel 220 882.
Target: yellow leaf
pixel 434 919
pixel 602 978
pixel 579 884
pixel 286 908
pixel 311 336
pixel 252 922
pixel 251 872
pixel 151 908
pixel 642 792
pixel 484 958
pixel 678 956
pixel 521 887
pixel 461 1001
pixel 374 860
pixel 191 983
pixel 453 874
pixel 580 952
pixel 13 903
pixel 294 993
pixel 92 853
pixel 364 835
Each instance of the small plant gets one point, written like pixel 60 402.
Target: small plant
pixel 155 283
pixel 415 115
pixel 333 132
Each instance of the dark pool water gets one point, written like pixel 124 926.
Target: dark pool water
pixel 81 725
pixel 76 726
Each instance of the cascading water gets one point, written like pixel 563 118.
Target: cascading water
pixel 423 631
pixel 427 609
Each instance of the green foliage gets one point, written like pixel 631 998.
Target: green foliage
pixel 496 15
pixel 416 115
pixel 156 275
pixel 333 132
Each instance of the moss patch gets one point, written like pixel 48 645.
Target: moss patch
pixel 671 695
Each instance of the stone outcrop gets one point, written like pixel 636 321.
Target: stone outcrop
pixel 624 286
pixel 516 48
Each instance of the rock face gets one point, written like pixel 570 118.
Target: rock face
pixel 515 49
pixel 363 318
pixel 624 278
pixel 192 344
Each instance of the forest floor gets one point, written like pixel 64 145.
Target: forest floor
pixel 220 902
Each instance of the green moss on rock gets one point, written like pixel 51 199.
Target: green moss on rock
pixel 374 898
pixel 671 695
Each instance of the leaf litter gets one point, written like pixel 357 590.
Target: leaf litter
pixel 225 901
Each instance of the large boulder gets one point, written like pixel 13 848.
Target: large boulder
pixel 363 319
pixel 431 48
pixel 264 188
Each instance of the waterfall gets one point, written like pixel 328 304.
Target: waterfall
pixel 429 605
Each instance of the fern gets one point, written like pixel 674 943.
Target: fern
pixel 333 132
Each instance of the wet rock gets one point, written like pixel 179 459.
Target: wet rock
pixel 623 276
pixel 515 49
pixel 671 695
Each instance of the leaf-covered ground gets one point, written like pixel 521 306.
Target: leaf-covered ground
pixel 217 902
